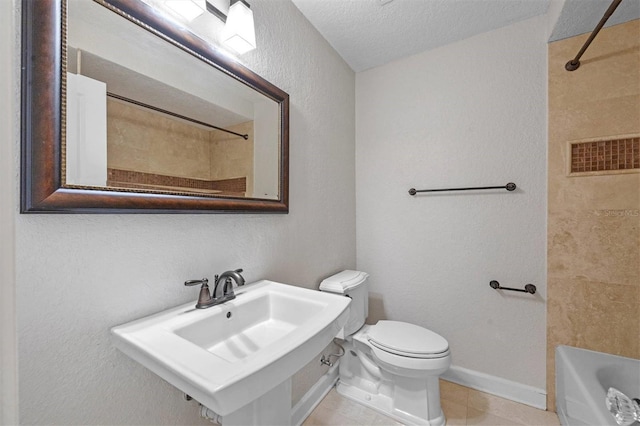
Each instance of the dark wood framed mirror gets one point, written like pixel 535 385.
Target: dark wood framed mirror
pixel 51 52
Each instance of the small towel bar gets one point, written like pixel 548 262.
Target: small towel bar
pixel 509 187
pixel 529 288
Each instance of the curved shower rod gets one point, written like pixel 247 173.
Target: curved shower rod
pixel 573 64
pixel 173 114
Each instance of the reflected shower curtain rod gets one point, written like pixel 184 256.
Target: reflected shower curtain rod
pixel 573 64
pixel 173 114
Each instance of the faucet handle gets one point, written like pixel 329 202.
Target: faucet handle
pixel 204 297
pixel 239 270
pixel 203 281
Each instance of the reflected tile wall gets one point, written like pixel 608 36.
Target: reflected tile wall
pixel 134 179
pixel 162 148
pixel 593 221
pixel 145 141
pixel 231 156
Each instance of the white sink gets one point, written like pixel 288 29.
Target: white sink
pixel 231 354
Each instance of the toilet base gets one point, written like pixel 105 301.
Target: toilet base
pixel 408 395
pixel 383 404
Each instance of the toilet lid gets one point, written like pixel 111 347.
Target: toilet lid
pixel 406 339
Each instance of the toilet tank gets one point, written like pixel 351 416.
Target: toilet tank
pixel 351 284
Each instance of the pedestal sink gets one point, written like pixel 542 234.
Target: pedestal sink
pixel 237 358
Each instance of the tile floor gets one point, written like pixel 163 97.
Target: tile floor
pixel 461 406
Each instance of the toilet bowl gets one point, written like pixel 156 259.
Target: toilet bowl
pixel 392 366
pixel 408 350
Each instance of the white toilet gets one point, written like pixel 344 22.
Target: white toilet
pixel 392 367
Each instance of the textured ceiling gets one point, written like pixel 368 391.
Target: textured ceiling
pixel 369 33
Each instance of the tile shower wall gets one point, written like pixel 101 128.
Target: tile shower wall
pixel 593 221
pixel 605 156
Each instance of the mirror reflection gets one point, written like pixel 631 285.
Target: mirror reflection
pixel 143 115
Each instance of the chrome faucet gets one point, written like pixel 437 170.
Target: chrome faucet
pixel 206 300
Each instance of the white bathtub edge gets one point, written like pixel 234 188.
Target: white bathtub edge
pixel 514 391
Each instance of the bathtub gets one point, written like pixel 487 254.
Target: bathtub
pixel 582 380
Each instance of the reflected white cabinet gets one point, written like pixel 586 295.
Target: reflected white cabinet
pixel 86 140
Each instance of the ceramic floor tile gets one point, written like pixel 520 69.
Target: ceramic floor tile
pixel 327 418
pixel 380 420
pixel 456 414
pixel 514 411
pixel 453 392
pixel 477 417
pixel 337 410
pixel 461 406
pixel 332 399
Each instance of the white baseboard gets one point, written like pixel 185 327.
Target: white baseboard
pixel 498 386
pixel 312 398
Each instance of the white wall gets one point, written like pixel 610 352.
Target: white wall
pixel 79 275
pixel 9 90
pixel 472 113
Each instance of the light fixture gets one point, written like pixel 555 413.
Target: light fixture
pixel 188 9
pixel 239 32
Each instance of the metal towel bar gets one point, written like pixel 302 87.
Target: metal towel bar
pixel 509 187
pixel 529 288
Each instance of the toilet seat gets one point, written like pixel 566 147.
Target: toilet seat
pixel 407 340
